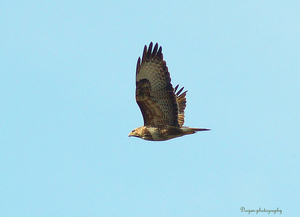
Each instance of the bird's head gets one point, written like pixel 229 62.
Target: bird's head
pixel 140 132
pixel 136 132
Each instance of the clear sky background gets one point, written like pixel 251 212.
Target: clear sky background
pixel 67 104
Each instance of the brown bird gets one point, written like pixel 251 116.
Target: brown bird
pixel 161 105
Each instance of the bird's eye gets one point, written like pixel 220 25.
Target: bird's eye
pixel 133 131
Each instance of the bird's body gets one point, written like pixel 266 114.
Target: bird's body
pixel 162 133
pixel 161 105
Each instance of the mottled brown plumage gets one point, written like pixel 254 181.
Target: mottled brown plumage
pixel 161 105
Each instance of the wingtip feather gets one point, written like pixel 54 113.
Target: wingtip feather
pixel 138 65
pixel 149 50
pixel 155 49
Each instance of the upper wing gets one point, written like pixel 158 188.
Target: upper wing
pixel 154 92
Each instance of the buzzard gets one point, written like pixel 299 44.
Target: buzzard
pixel 162 106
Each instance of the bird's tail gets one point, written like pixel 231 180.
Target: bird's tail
pixel 188 130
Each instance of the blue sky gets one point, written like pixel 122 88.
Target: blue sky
pixel 67 85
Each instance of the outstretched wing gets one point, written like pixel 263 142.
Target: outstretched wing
pixel 154 92
pixel 181 102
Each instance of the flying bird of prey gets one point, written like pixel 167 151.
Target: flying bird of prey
pixel 162 106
